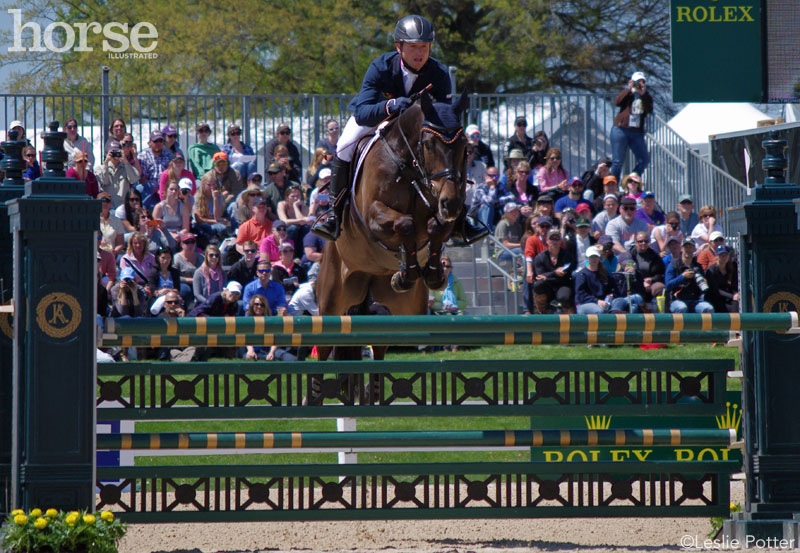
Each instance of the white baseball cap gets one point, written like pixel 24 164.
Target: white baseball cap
pixel 185 183
pixel 324 173
pixel 638 76
pixel 592 251
pixel 234 286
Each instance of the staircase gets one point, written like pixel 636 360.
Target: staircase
pixel 487 290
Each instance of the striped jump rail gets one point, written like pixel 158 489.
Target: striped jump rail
pixel 628 337
pixel 649 322
pixel 434 439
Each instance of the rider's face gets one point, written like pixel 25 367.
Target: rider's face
pixel 414 54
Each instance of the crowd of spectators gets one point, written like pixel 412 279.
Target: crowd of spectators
pixel 595 244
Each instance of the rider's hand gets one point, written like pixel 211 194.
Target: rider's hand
pixel 396 106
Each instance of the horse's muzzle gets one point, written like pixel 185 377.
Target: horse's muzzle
pixel 450 208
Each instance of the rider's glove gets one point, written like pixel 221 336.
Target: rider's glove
pixel 395 106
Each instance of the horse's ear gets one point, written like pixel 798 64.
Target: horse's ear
pixel 427 105
pixel 411 119
pixel 463 102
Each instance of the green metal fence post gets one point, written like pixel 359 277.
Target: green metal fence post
pixel 767 223
pixel 55 289
pixel 12 187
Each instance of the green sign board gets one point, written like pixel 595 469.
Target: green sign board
pixel 716 51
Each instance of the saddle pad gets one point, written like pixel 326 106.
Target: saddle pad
pixel 364 151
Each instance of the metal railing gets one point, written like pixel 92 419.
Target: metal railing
pixel 512 273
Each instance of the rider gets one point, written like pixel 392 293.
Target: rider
pixel 390 80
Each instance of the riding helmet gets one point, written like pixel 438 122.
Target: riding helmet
pixel 414 28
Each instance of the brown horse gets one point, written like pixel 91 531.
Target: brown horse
pixel 406 200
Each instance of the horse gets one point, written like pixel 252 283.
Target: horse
pixel 404 205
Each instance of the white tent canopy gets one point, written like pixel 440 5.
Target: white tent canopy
pixel 697 121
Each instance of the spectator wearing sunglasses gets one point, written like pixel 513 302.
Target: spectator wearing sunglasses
pixel 32 170
pixel 480 149
pixel 286 271
pixel 171 140
pixel 267 287
pixel 201 154
pixel 115 175
pixel 154 161
pixel 283 136
pixel 82 172
pixel 329 141
pixel 76 143
pixel 553 177
pixel 209 278
pixel 235 149
pixel 224 178
pixel 623 228
pixel 485 206
pixel 175 172
pixel 520 139
pixel 244 270
pixel 259 307
pixel 188 259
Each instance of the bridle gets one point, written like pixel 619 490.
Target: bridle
pixel 419 177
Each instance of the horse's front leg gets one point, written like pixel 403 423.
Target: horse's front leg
pixel 388 223
pixel 433 272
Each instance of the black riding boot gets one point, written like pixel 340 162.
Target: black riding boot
pixel 329 226
pixel 470 230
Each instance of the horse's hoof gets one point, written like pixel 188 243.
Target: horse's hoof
pixel 400 284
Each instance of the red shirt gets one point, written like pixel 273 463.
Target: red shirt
pixel 253 230
pixel 91 181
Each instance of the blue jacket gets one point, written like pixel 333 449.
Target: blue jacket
pixel 384 80
pixel 589 288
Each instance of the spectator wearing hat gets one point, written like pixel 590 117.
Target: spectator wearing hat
pixel 633 188
pixel 285 271
pixel 610 186
pixel 686 283
pixel 553 177
pixel 317 205
pixel 608 256
pixel 509 232
pixel 244 270
pixel 610 209
pixel 128 297
pixel 264 285
pixel 236 150
pixel 660 234
pixel 278 183
pixel 20 128
pixel 596 291
pixel 634 103
pixel 224 178
pixel 283 137
pixel 76 143
pixel 520 140
pixel 188 258
pixel 201 154
pixel 171 141
pixel 624 226
pixel 474 174
pixel 485 205
pixel 481 150
pixel 257 227
pixel 649 267
pixel 723 282
pixel 553 281
pixel 648 212
pixel 707 254
pixel 544 206
pixel 573 198
pixel 175 172
pixel 576 243
pixel 111 236
pixel 224 303
pixel 154 161
pixel 32 169
pixel 81 171
pixel 534 242
pixel 268 247
pixel 330 140
pixel 689 218
pixel 593 179
pixel 115 175
pixel 313 246
pixel 513 158
pixel 673 248
pixel 701 233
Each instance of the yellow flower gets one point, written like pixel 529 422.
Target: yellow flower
pixel 16 512
pixel 51 513
pixel 89 519
pixel 41 523
pixel 20 520
pixel 108 516
pixel 72 518
pixel 36 513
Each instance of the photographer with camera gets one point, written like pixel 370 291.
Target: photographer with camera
pixel 115 175
pixel 634 104
pixel 286 271
pixel 685 281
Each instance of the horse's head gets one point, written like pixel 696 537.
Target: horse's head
pixel 442 151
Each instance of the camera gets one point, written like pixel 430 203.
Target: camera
pixel 700 280
pixel 116 153
pixel 293 281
